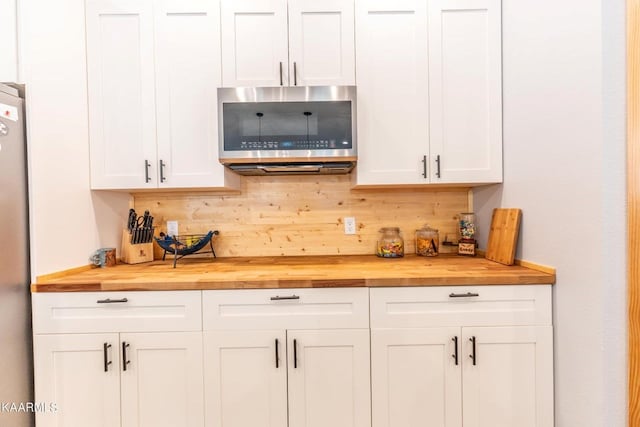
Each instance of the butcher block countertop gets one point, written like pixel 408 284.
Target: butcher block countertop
pixel 294 272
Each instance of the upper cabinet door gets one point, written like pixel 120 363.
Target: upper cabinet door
pixel 120 67
pixel 321 43
pixel 393 111
pixel 188 73
pixel 465 83
pixel 254 43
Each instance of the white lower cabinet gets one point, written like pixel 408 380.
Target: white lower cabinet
pixel 329 378
pixel 432 365
pixel 414 380
pixel 245 378
pixel 261 372
pixel 136 375
pixel 70 372
pixel 436 356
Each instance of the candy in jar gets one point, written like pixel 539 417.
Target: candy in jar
pixel 467 227
pixel 427 240
pixel 390 243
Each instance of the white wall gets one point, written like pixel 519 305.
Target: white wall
pixel 68 221
pixel 8 41
pixel 564 166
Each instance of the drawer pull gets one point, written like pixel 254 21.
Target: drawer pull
pixel 455 354
pixel 125 362
pixel 473 350
pixel 107 362
pixel 279 298
pixel 467 295
pixel 112 301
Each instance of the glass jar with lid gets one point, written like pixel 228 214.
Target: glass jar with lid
pixel 467 227
pixel 427 241
pixel 390 243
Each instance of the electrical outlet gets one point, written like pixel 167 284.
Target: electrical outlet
pixel 349 225
pixel 172 228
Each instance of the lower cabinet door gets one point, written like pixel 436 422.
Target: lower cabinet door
pixel 508 378
pixel 161 379
pixel 77 380
pixel 416 377
pixel 329 382
pixel 245 378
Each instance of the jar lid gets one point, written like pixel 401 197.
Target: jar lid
pixel 394 229
pixel 427 227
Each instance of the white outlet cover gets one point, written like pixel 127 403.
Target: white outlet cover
pixel 172 228
pixel 349 225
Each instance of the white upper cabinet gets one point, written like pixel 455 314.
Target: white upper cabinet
pixel 188 73
pixel 275 43
pixel 465 85
pixel 429 92
pixel 254 43
pixel 321 43
pixel 154 68
pixel 120 66
pixel 393 98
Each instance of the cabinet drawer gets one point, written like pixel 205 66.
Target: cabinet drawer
pixel 286 309
pixel 419 307
pixel 116 312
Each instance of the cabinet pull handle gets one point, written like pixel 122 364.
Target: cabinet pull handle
pixel 112 301
pixel 438 166
pixel 295 74
pixel 107 362
pixel 281 81
pixel 473 350
pixel 467 295
pixel 277 358
pixel 147 165
pixel 162 177
pixel 125 362
pixel 424 166
pixel 279 298
pixel 455 352
pixel 295 354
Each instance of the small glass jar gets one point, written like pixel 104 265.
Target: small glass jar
pixel 427 241
pixel 390 243
pixel 467 226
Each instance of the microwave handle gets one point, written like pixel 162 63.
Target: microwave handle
pixel 301 168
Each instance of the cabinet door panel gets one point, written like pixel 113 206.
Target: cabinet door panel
pixel 321 42
pixel 188 73
pixel 243 385
pixel 393 113
pixel 329 378
pixel 511 383
pixel 414 378
pixel 120 70
pixel 254 43
pixel 465 84
pixel 163 384
pixel 69 372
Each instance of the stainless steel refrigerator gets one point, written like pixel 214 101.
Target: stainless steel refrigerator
pixel 16 354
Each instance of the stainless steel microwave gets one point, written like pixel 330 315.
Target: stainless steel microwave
pixel 288 130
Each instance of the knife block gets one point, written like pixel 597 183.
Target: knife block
pixel 135 254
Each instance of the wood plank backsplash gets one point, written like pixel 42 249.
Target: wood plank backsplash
pixel 303 215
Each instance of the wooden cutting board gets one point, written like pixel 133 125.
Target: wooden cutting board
pixel 503 236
